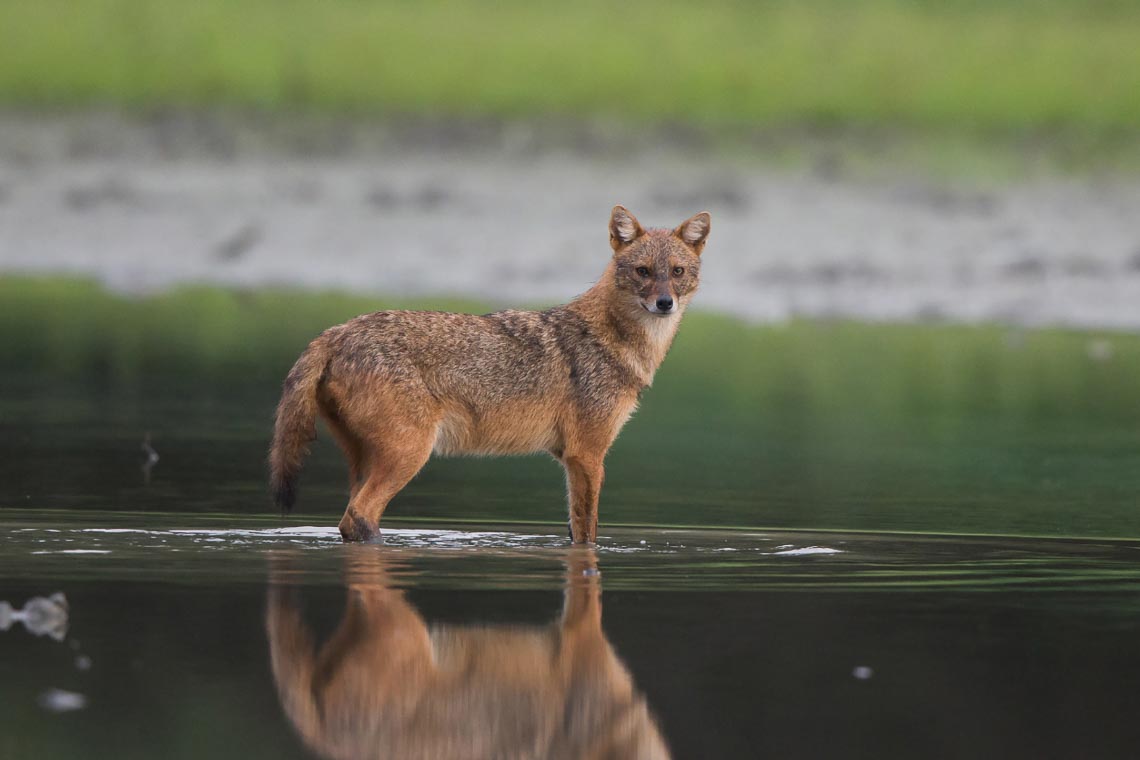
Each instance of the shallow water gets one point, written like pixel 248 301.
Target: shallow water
pixel 816 540
pixel 195 636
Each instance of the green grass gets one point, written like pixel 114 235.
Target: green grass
pixel 1009 66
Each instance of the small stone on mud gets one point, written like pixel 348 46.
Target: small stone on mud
pixel 239 243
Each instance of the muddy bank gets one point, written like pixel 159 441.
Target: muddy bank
pixel 143 206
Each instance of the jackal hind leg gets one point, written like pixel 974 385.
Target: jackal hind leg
pixel 351 445
pixel 390 464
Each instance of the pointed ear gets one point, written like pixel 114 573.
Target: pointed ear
pixel 694 230
pixel 624 228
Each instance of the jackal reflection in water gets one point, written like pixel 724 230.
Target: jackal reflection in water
pixel 387 685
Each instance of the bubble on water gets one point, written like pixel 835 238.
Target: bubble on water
pixel 862 672
pixel 60 700
pixel 83 662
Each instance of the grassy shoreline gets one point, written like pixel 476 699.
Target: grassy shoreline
pixel 880 151
pixel 1007 67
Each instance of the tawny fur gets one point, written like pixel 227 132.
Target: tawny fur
pixel 387 685
pixel 394 387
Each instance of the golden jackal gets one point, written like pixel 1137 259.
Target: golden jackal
pixel 396 386
pixel 387 685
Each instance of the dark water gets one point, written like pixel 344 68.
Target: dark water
pixel 204 636
pixel 816 541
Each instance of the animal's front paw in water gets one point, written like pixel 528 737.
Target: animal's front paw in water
pixel 353 527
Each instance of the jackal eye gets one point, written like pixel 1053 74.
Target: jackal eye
pixel 678 271
pixel 643 271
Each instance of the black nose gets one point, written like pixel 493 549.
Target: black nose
pixel 664 303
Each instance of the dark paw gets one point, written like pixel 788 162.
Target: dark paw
pixel 353 527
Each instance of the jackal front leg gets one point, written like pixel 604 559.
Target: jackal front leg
pixel 584 475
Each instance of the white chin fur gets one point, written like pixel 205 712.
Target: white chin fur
pixel 660 325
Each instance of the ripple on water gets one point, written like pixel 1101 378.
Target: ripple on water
pixel 197 551
pixel 105 540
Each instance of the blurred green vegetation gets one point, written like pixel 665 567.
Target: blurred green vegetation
pixel 807 425
pixel 959 65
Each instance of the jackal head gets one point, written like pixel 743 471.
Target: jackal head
pixel 658 269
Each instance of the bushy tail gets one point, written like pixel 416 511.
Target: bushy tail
pixel 296 425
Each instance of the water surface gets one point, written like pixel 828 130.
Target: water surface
pixel 815 540
pixel 190 636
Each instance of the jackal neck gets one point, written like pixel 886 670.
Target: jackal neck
pixel 638 339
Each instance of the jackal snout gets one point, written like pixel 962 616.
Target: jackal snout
pixel 663 305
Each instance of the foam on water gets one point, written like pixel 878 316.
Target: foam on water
pixel 104 540
pixel 437 538
pixel 807 551
pixel 74 551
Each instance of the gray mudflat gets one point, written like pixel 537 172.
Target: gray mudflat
pixel 142 206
